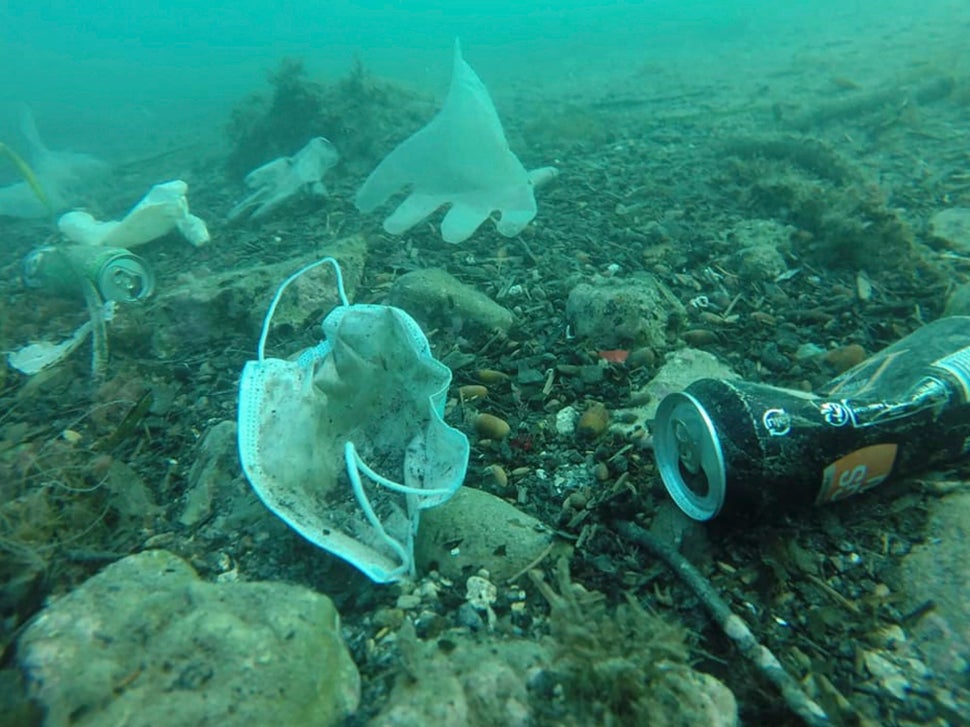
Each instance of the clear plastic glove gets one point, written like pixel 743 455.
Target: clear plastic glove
pixel 282 179
pixel 461 158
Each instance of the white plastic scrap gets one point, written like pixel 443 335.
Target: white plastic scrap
pixel 35 357
pixel 287 177
pixel 163 209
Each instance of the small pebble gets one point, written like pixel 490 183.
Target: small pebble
pixel 627 417
pixel 700 337
pixel 712 319
pixel 491 376
pixel 498 474
pixel 489 426
pixel 575 501
pixel 844 358
pixel 641 357
pixel 765 319
pixel 593 422
pixel 408 601
pixel 472 391
pixel 469 617
pixel 391 618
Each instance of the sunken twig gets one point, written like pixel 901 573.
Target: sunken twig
pixel 732 625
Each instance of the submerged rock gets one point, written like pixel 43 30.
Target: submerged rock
pixel 614 313
pixel 146 642
pixel 438 299
pixel 935 572
pixel 207 310
pixel 953 227
pixel 761 246
pixel 473 685
pixel 681 368
pixel 489 533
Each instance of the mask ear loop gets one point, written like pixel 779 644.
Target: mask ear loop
pixel 419 492
pixel 355 467
pixel 264 333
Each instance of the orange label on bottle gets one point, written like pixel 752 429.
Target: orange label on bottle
pixel 856 472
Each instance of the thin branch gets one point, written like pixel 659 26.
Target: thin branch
pixel 733 626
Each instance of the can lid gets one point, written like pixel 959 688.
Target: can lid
pixel 126 278
pixel 33 264
pixel 689 456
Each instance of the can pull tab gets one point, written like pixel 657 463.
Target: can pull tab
pixel 125 279
pixel 130 284
pixel 687 450
pixel 689 456
pixel 31 268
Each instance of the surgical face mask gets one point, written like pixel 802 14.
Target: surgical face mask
pixel 347 443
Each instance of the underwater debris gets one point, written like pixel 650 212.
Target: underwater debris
pixel 163 209
pixel 35 357
pixel 52 178
pixel 285 178
pixel 460 158
pixel 734 628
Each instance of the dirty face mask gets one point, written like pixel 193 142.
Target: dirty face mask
pixel 347 443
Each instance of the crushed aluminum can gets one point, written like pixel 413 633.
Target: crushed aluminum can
pixel 741 447
pixel 115 273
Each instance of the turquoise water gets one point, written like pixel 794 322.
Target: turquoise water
pixel 102 75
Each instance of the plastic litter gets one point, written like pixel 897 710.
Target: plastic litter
pixel 35 357
pixel 163 209
pixel 461 158
pixel 347 444
pixel 54 178
pixel 287 177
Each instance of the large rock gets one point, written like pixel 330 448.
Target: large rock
pixel 935 571
pixel 614 313
pixel 436 298
pixel 474 530
pixel 952 226
pixel 201 311
pixel 146 642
